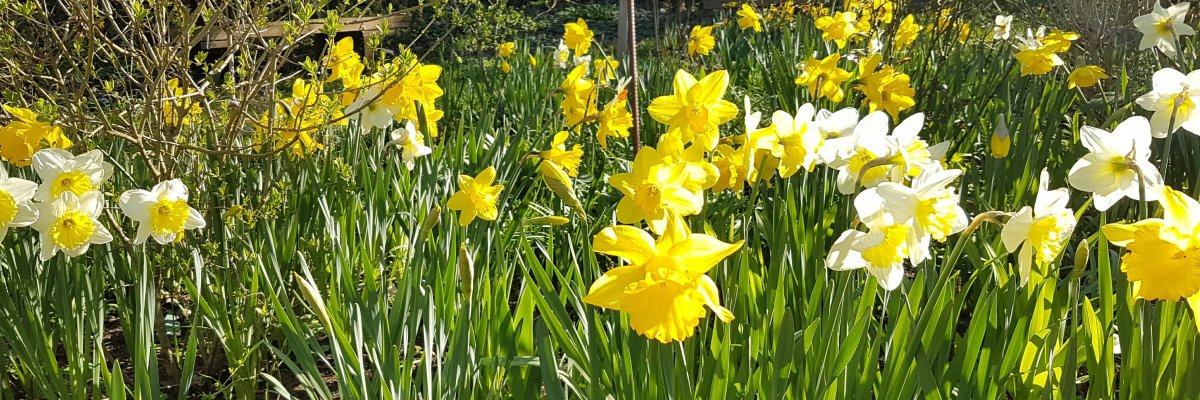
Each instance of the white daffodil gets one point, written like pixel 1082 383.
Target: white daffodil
pixel 69 223
pixel 374 112
pixel 878 157
pixel 835 125
pixel 881 251
pixel 62 172
pixel 1173 100
pixel 1163 26
pixel 585 61
pixel 562 55
pixel 868 141
pixel 1111 170
pixel 1003 28
pixel 1039 232
pixel 411 143
pixel 15 210
pixel 162 213
pixel 930 206
pixel 795 141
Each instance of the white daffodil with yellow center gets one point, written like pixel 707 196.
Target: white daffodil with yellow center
pixel 68 223
pixel 162 213
pixel 1174 100
pixel 1041 232
pixel 796 140
pixel 930 206
pixel 881 251
pixel 833 126
pixel 1118 164
pixel 411 143
pixel 1162 27
pixel 1003 28
pixel 62 172
pixel 878 157
pixel 376 107
pixel 15 210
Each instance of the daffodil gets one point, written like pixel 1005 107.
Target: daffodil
pixel 562 55
pixel 162 213
pixel 177 108
pixel 964 32
pixel 342 60
pixel 841 27
pixel 1037 61
pixel 69 223
pixel 1085 76
pixel 1038 54
pixel 15 208
pixel 662 283
pixel 505 67
pixel 1041 232
pixel 1163 261
pixel 1173 100
pixel 1001 140
pixel 907 33
pixel 879 157
pixel 1003 28
pixel 61 172
pixel 696 108
pixel 614 120
pixel 823 77
pixel 930 206
pixel 506 49
pixel 476 197
pixel 411 143
pixel 579 96
pixel 748 18
pixel 1162 27
pixel 374 110
pixel 834 126
pixel 605 69
pixel 578 36
pixel 655 188
pixel 560 155
pixel 885 88
pixel 731 165
pixel 25 135
pixel 881 251
pixel 1118 164
pixel 795 141
pixel 701 40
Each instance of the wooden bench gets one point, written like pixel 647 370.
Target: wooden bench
pixel 363 25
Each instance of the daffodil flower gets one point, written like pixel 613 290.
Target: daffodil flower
pixel 61 172
pixel 823 77
pixel 578 36
pixel 562 55
pixel 69 223
pixel 930 206
pixel 1003 28
pixel 476 197
pixel 15 208
pixel 696 108
pixel 1173 100
pixel 374 110
pixel 663 286
pixel 1162 27
pixel 656 188
pixel 748 18
pixel 834 126
pixel 701 40
pixel 411 143
pixel 907 33
pixel 162 213
pixel 881 251
pixel 1039 232
pixel 561 156
pixel 1163 262
pixel 795 141
pixel 1118 164
pixel 1001 142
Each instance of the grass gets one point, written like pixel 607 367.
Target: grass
pixel 344 275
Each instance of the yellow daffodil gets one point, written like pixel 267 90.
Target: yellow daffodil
pixel 1163 262
pixel 533 61
pixel 61 172
pixel 841 27
pixel 964 32
pixel 614 120
pixel 795 140
pixel 69 223
pixel 731 165
pixel 411 143
pixel 178 108
pixel 1041 232
pixel 16 211
pixel 476 197
pixel 506 49
pixel 579 101
pixel 885 88
pixel 342 60
pixel 560 155
pixel 1001 141
pixel 907 33
pixel 748 18
pixel 1085 76
pixel 25 135
pixel 696 108
pixel 1162 27
pixel 1175 102
pixel 663 284
pixel 655 188
pixel 824 78
pixel 701 40
pixel 1118 164
pixel 605 69
pixel 505 67
pixel 162 213
pixel 577 36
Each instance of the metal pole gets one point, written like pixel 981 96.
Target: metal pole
pixel 633 78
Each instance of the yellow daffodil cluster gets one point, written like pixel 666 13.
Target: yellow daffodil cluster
pixel 823 77
pixel 843 27
pixel 506 50
pixel 25 134
pixel 885 88
pixel 873 12
pixel 65 208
